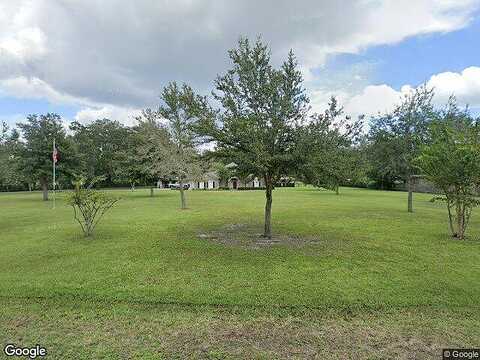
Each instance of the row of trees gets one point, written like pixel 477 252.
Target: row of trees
pixel 260 119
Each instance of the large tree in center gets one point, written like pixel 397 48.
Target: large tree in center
pixel 261 107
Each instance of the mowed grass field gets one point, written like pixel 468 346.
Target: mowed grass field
pixel 351 276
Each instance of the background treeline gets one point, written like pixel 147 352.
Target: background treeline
pixel 104 148
pixel 376 153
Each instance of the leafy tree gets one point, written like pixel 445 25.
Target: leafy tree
pixel 101 146
pixel 380 155
pixel 397 137
pixel 89 205
pixel 452 163
pixel 261 107
pixel 328 140
pixel 36 155
pixel 130 166
pixel 172 147
pixel 224 173
pixel 10 149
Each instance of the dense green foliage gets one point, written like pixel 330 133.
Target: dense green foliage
pixel 327 147
pixel 396 138
pixel 35 154
pixel 452 162
pixel 11 176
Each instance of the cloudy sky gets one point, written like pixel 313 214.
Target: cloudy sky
pixel 88 59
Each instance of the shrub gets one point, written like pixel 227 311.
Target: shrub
pixel 452 163
pixel 89 206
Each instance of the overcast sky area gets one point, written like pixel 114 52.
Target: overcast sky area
pixel 89 59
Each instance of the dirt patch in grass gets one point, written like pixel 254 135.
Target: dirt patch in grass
pixel 249 237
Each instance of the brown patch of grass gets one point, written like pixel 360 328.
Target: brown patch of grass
pixel 246 236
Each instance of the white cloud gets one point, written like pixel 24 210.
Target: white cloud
pixel 26 44
pixel 124 115
pixel 465 86
pixel 375 99
pixel 35 88
pixel 120 54
pixel 382 98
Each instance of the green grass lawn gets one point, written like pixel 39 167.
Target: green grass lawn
pixel 358 275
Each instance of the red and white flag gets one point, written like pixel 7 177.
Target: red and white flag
pixel 55 155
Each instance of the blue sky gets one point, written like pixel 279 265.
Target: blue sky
pixel 87 61
pixel 415 59
pixel 13 109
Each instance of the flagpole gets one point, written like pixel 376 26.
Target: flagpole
pixel 54 161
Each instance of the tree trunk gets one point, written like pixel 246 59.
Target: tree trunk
pixel 151 191
pixel 460 221
pixel 44 185
pixel 182 196
pixel 268 208
pixel 410 193
pixel 337 190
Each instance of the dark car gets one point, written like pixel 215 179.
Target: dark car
pixel 177 186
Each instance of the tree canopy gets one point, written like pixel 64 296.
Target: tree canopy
pixel 261 108
pixel 398 136
pixel 38 133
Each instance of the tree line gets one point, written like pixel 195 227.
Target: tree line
pixel 258 117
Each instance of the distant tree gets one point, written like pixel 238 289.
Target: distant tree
pixel 397 137
pixel 101 147
pixel 150 132
pixel 261 107
pixel 36 155
pixel 452 163
pixel 130 166
pixel 380 155
pixel 224 173
pixel 328 148
pixel 11 175
pixel 172 146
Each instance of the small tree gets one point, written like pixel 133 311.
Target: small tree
pixel 398 137
pixel 452 163
pixel 89 205
pixel 172 147
pixel 328 148
pixel 224 173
